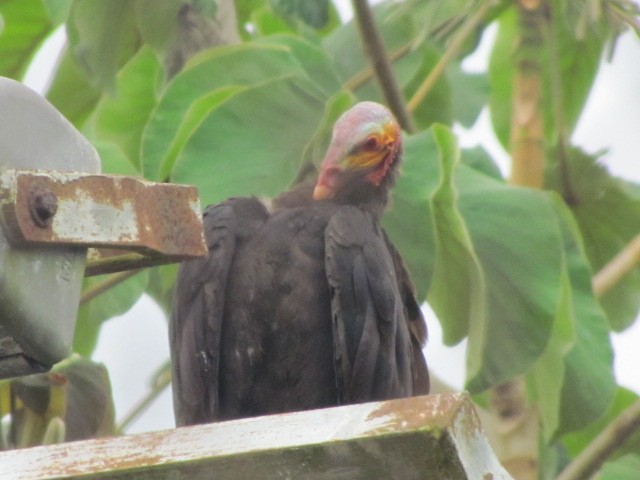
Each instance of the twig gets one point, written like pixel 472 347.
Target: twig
pixel 365 75
pixel 374 47
pixel 601 448
pixel 95 290
pixel 161 380
pixel 613 271
pixel 448 55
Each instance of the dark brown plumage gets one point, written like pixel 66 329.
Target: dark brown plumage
pixel 306 304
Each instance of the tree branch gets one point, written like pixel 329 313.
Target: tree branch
pixel 452 50
pixel 374 47
pixel 600 449
pixel 621 264
pixel 527 122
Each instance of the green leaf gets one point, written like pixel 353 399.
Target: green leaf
pixel 266 23
pixel 70 91
pixel 58 10
pixel 314 14
pixel 239 149
pixel 437 105
pixel 408 221
pixel 313 60
pixel 26 25
pixel 456 265
pixel 608 214
pixel 519 245
pixel 90 412
pixel 578 441
pixel 157 22
pixel 317 147
pixel 517 241
pixel 570 62
pixel 345 47
pixel 103 37
pixel 469 94
pixel 210 78
pixel 570 395
pixel 115 301
pixel 121 118
pixel 113 160
pixel 625 468
pixel 501 72
pixel 478 159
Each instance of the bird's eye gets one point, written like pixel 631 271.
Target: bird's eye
pixel 370 143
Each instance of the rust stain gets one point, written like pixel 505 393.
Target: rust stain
pixel 434 412
pixel 155 218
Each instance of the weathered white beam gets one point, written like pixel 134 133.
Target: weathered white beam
pixel 430 437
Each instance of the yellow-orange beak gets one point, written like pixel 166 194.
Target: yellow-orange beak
pixel 327 180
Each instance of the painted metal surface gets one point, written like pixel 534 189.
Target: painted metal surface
pixel 49 208
pixel 432 437
pixel 39 288
pixel 54 205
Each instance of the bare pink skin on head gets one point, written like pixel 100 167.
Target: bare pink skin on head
pixel 366 138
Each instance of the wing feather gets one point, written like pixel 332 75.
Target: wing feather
pixel 198 309
pixel 374 346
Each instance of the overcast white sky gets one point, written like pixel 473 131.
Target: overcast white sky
pixel 134 345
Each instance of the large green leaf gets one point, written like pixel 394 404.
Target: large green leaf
pixel 572 396
pixel 120 118
pixel 192 93
pixel 241 148
pixel 408 221
pixel 608 214
pixel 313 60
pixel 113 160
pixel 518 242
pixel 24 25
pixel 456 265
pixel 570 62
pixel 115 301
pixel 71 92
pixel 103 36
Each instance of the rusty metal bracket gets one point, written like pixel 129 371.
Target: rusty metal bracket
pixel 158 222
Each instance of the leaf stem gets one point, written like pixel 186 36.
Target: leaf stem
pixel 374 48
pixel 452 50
pixel 111 281
pixel 619 265
pixel 600 449
pixel 161 380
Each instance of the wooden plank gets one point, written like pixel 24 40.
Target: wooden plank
pixel 430 437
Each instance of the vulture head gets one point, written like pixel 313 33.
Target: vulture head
pixel 362 159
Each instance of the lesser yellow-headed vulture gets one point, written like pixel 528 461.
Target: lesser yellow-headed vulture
pixel 304 303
